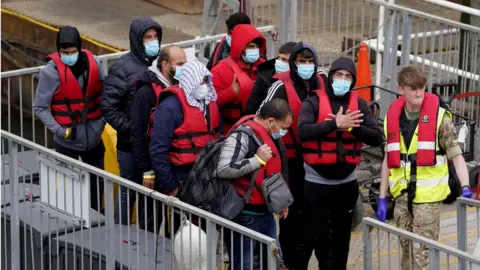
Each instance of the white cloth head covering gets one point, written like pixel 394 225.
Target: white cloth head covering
pixel 192 76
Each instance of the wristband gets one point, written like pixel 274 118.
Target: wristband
pixel 260 160
pixel 465 186
pixel 349 129
pixel 67 133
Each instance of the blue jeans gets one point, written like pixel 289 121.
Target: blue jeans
pixel 126 162
pixel 264 224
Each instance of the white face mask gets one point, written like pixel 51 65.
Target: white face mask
pixel 201 92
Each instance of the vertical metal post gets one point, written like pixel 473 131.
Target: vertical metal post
pixel 271 257
pixel 391 51
pixel 270 47
pixel 407 29
pixel 434 259
pixel 249 10
pixel 367 250
pixel 211 245
pixel 378 64
pixel 282 18
pixel 461 231
pixel 293 17
pixel 109 222
pixel 14 217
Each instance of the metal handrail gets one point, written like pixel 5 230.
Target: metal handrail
pixel 106 57
pixel 136 187
pixel 431 244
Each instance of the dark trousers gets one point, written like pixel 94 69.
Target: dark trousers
pixel 94 157
pixel 326 214
pixel 288 227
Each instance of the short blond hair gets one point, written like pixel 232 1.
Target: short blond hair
pixel 413 77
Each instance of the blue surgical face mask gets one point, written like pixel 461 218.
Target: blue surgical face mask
pixel 178 72
pixel 341 87
pixel 69 60
pixel 305 71
pixel 228 38
pixel 151 48
pixel 251 55
pixel 278 134
pixel 281 66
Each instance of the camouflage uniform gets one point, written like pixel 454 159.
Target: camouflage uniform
pixel 425 219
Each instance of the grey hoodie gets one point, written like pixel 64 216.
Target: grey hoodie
pixel 89 133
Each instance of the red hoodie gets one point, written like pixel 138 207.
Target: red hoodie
pixel 232 105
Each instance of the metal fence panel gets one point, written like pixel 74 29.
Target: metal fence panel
pixel 383 240
pixel 45 231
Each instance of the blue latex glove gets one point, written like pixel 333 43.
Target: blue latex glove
pixel 466 193
pixel 382 209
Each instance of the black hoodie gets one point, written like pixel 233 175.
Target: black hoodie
pixel 369 131
pixel 117 96
pixel 277 89
pixel 69 35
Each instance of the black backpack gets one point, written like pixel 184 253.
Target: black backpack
pixel 203 188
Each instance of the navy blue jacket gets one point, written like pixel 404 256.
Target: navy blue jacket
pixel 118 88
pixel 168 116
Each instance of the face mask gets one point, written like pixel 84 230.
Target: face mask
pixel 151 48
pixel 251 55
pixel 201 92
pixel 178 72
pixel 341 87
pixel 69 60
pixel 281 66
pixel 228 38
pixel 280 134
pixel 305 71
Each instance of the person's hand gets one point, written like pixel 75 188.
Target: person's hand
pixel 345 121
pixel 284 213
pixel 264 152
pixel 149 179
pixel 467 193
pixel 68 132
pixel 235 85
pixel 174 193
pixel 382 209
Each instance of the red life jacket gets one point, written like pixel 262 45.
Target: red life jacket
pixel 274 165
pixel 325 151
pixel 70 106
pixel 217 53
pixel 427 131
pixel 192 135
pixel 232 111
pixel 157 90
pixel 291 140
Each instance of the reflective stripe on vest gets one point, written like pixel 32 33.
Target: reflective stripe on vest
pixel 432 181
pixel 274 165
pixel 291 140
pixel 192 135
pixel 330 149
pixel 232 111
pixel 70 106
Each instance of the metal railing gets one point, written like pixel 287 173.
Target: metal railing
pixel 47 223
pixel 468 226
pixel 19 86
pixel 375 232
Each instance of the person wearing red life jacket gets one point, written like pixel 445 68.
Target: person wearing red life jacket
pixel 333 125
pixel 240 157
pixel 234 76
pixel 67 102
pixel 164 72
pixel 294 86
pixel 420 139
pixel 222 49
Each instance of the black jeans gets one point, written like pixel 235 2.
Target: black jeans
pixel 94 157
pixel 289 226
pixel 326 213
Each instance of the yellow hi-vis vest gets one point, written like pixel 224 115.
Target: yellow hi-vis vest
pixel 432 181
